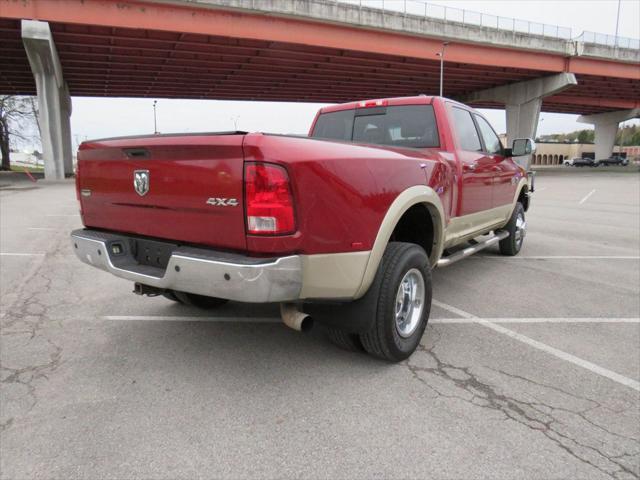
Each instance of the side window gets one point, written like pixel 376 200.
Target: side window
pixel 491 140
pixel 465 130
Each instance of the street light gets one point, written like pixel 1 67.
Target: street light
pixel 539 128
pixel 618 21
pixel 155 122
pixel 441 55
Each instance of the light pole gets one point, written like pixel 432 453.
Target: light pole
pixel 441 55
pixel 538 133
pixel 155 122
pixel 618 21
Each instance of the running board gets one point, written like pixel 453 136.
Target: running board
pixel 467 252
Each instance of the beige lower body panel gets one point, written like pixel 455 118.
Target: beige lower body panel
pixel 333 275
pixel 461 229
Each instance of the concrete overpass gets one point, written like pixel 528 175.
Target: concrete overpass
pixel 295 50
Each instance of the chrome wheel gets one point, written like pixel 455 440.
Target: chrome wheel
pixel 521 229
pixel 409 303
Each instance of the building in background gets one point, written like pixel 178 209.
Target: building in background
pixel 556 153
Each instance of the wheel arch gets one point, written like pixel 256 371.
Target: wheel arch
pixel 416 196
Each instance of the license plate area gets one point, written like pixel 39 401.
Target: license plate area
pixel 151 253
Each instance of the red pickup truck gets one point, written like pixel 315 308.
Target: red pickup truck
pixel 342 227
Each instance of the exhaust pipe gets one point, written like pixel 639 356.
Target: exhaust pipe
pixel 294 318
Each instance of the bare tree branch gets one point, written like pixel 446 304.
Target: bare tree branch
pixel 18 117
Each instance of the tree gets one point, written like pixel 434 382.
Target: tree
pixel 585 136
pixel 18 115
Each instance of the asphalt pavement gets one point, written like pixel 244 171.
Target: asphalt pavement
pixel 529 368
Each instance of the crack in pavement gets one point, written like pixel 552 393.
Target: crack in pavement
pixel 26 316
pixel 534 415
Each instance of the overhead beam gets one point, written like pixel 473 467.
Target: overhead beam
pixel 190 17
pixel 612 103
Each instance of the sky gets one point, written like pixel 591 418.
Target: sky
pixel 103 117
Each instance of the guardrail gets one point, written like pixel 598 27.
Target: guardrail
pixel 609 40
pixel 479 19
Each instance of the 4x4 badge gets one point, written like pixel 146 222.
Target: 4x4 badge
pixel 222 202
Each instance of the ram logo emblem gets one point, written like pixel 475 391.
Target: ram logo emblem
pixel 141 182
pixel 222 202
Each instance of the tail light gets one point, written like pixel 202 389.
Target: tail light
pixel 268 199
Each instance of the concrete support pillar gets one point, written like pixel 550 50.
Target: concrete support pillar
pixel 522 119
pixel 523 102
pixel 606 128
pixel 54 102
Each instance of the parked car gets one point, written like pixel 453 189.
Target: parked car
pixel 584 162
pixel 343 227
pixel 614 160
pixel 569 162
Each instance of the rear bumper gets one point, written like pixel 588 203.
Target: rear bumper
pixel 195 270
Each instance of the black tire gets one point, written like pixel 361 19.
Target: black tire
pixel 199 301
pixel 384 340
pixel 511 245
pixel 345 340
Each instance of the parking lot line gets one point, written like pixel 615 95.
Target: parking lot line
pixel 536 320
pixel 193 318
pixel 616 377
pixel 586 197
pixel 562 257
pixel 19 254
pixel 439 321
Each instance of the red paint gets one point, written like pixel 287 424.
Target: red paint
pixel 185 171
pixel 340 191
pixel 29 175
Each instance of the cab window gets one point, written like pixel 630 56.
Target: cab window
pixel 492 143
pixel 465 130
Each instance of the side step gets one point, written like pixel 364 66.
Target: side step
pixel 467 252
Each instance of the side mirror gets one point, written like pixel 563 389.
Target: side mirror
pixel 523 146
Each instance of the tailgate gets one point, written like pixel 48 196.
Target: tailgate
pixel 186 188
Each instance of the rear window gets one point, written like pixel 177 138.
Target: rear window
pixel 402 126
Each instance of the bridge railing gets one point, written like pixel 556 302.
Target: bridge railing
pixel 609 40
pixel 479 19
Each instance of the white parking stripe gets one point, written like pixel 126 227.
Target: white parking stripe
pixel 535 320
pixel 586 197
pixel 440 321
pixel 616 377
pixel 16 254
pixel 60 215
pixel 169 318
pixel 42 228
pixel 561 257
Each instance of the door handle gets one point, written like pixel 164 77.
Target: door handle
pixel 469 167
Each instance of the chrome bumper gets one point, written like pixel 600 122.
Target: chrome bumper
pixel 195 270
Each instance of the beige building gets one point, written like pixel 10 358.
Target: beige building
pixel 552 153
pixel 558 153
